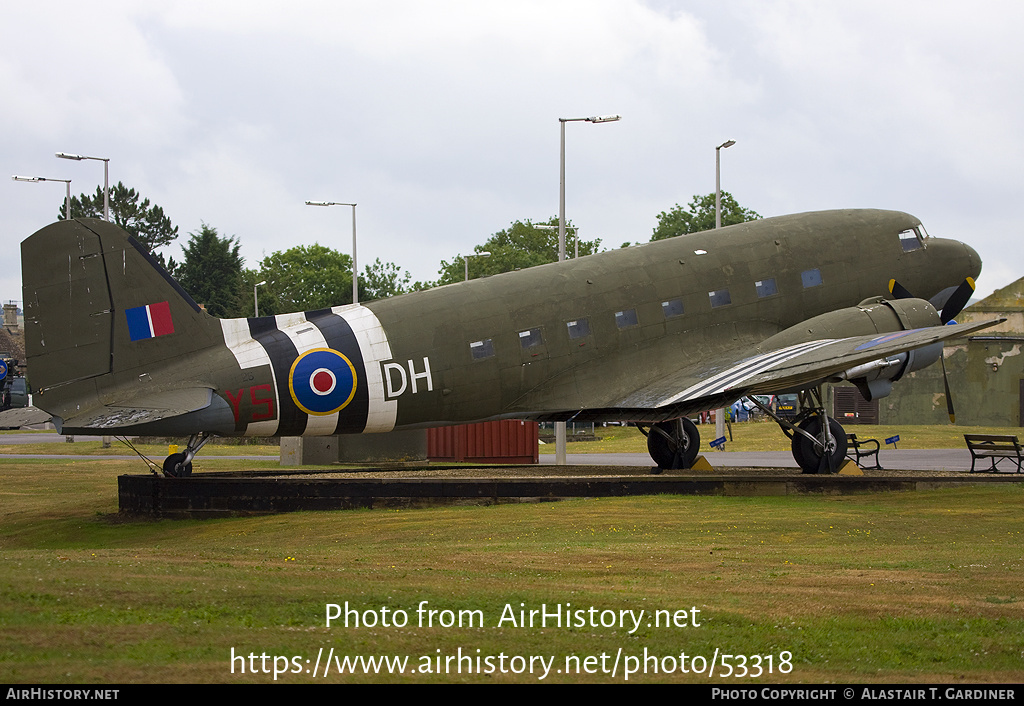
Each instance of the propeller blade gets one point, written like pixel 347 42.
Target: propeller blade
pixel 940 299
pixel 898 290
pixel 949 397
pixel 957 300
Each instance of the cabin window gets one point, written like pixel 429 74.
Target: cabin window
pixel 672 308
pixel 626 318
pixel 912 239
pixel 766 288
pixel 530 338
pixel 578 328
pixel 481 349
pixel 811 278
pixel 719 297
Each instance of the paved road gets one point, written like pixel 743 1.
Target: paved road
pixel 891 459
pixel 41 437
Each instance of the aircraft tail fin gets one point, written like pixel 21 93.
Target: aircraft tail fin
pixel 98 304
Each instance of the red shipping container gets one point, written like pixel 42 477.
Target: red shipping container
pixel 504 441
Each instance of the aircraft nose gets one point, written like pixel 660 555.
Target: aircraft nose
pixel 974 261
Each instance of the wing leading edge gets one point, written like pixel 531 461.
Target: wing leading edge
pixel 799 365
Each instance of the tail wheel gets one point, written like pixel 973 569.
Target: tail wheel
pixel 674 444
pixel 179 465
pixel 809 456
pixel 176 467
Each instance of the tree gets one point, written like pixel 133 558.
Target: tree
pixel 212 272
pixel 519 246
pixel 304 278
pixel 700 216
pixel 146 223
pixel 381 280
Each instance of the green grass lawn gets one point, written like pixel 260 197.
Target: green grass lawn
pixel 897 587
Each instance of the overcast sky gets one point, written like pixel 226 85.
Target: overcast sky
pixel 441 118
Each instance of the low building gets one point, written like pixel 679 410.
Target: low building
pixel 985 371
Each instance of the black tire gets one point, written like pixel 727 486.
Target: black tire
pixel 663 446
pixel 807 455
pixel 174 466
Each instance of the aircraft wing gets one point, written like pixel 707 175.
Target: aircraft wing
pixel 799 365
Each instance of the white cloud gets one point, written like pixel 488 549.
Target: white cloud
pixel 440 118
pixel 73 69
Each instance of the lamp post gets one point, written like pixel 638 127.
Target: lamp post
pixel 561 174
pixel 255 299
pixel 720 413
pixel 355 267
pixel 718 180
pixel 67 196
pixel 560 426
pixel 465 261
pixel 106 178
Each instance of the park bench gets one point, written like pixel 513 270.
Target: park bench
pixel 864 448
pixel 997 447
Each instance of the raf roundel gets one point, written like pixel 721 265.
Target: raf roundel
pixel 322 381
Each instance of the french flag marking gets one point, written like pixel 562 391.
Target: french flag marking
pixel 149 321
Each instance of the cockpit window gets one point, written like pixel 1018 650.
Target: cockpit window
pixel 913 238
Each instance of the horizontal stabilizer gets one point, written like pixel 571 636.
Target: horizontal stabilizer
pixel 142 410
pixel 23 417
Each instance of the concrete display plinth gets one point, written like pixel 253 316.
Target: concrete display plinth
pixel 394 446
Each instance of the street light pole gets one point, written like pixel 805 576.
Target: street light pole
pixel 355 267
pixel 561 173
pixel 718 180
pixel 67 185
pixel 720 413
pixel 560 426
pixel 255 299
pixel 106 178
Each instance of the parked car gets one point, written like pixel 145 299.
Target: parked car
pixel 19 392
pixel 788 406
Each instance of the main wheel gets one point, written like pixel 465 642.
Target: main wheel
pixel 175 466
pixel 674 444
pixel 807 454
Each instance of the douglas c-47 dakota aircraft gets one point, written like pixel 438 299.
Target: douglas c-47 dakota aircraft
pixel 647 334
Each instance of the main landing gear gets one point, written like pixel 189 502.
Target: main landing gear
pixel 818 441
pixel 673 444
pixel 179 465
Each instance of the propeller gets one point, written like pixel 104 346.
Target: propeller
pixel 955 302
pixel 899 291
pixel 949 397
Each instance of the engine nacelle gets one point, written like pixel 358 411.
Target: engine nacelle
pixel 875 379
pixel 871 317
